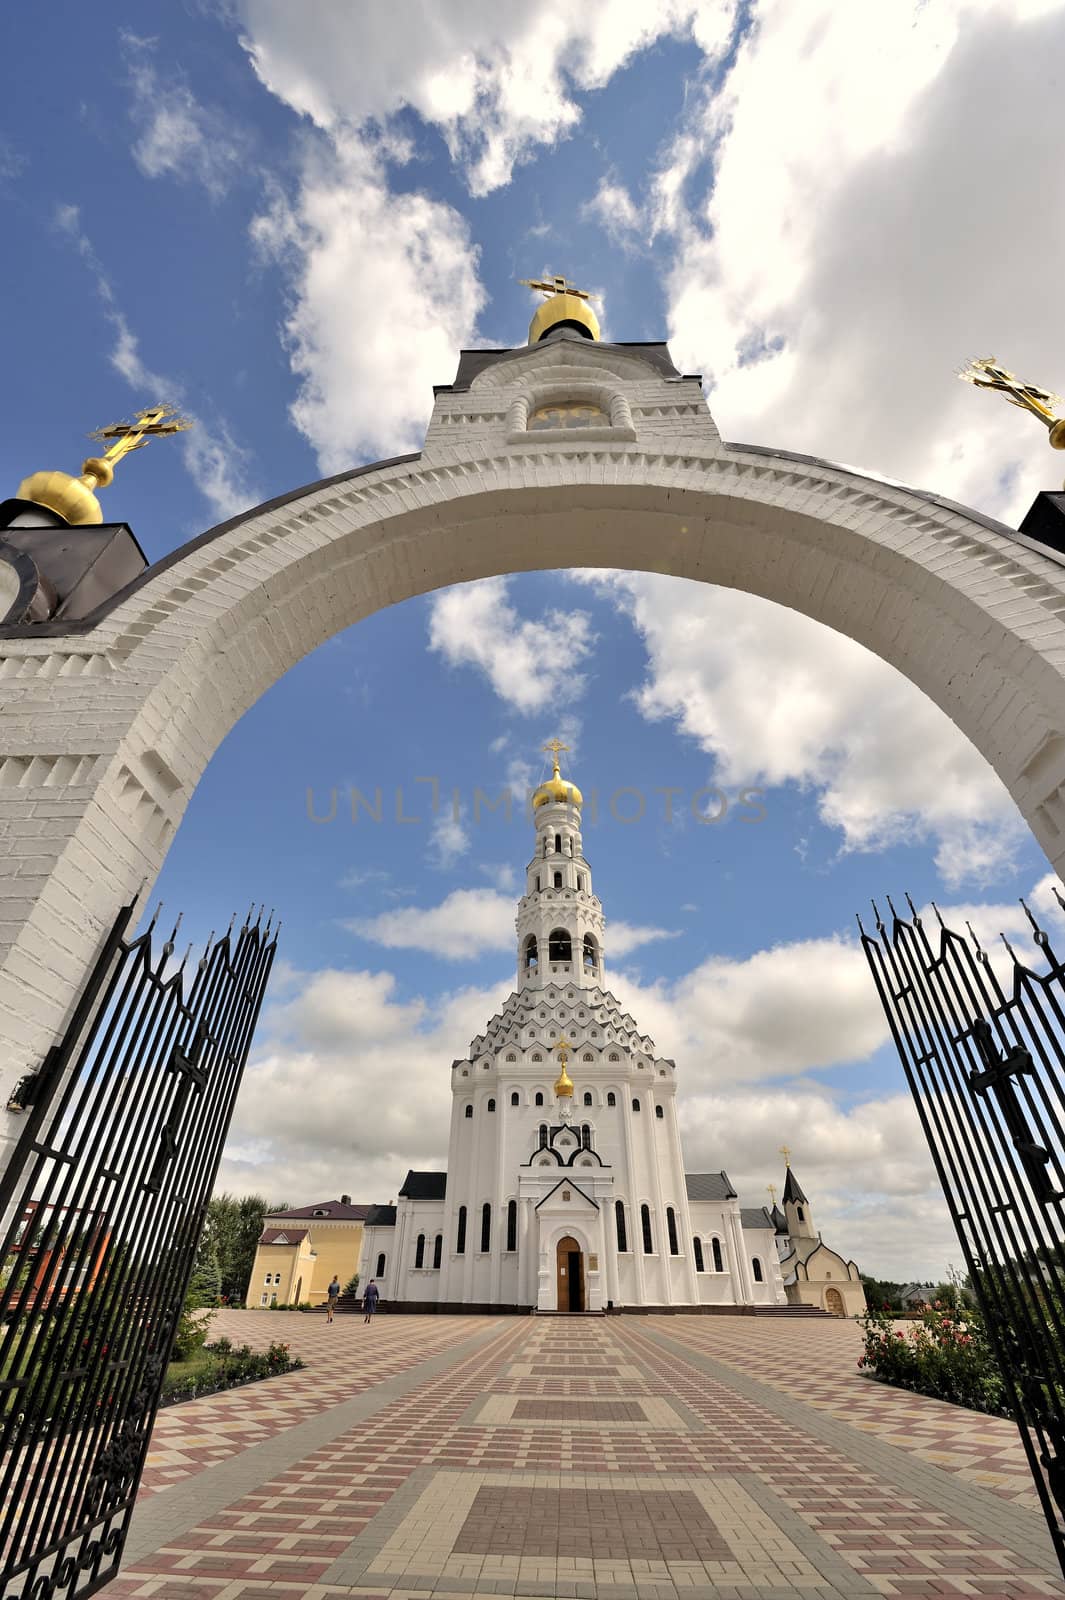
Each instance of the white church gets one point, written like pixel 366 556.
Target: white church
pixel 565 1187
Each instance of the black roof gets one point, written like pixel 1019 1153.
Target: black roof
pixel 792 1190
pixel 381 1217
pixel 755 1217
pixel 473 362
pixel 424 1185
pixel 708 1186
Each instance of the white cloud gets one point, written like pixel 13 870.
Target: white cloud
pixel 775 698
pixel 384 291
pixel 613 207
pixel 530 663
pixel 177 136
pixel 497 81
pixel 625 937
pixel 448 840
pixel 465 925
pixel 867 230
pixel 215 462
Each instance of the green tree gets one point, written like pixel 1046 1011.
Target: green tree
pixel 352 1285
pixel 882 1293
pixel 230 1234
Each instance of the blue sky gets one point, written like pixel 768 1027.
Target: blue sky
pixel 290 232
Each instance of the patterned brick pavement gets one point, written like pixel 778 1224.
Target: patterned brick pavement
pixel 613 1459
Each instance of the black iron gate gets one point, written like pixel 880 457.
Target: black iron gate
pixel 105 1200
pixel 982 1040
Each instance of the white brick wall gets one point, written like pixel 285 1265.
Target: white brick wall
pixel 103 736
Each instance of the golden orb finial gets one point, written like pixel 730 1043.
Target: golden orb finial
pixel 74 499
pixel 563 1083
pixel 786 1153
pixel 565 307
pixel 556 790
pixel 985 373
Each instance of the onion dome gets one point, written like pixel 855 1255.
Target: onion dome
pixel 74 499
pixel 556 791
pixel 564 1083
pixel 566 306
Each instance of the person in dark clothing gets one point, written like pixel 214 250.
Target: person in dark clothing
pixel 333 1294
pixel 370 1299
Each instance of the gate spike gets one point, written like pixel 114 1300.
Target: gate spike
pixel 185 957
pixel 935 908
pixel 1009 947
pixel 891 908
pixel 155 917
pixel 913 911
pixel 1039 932
pixel 858 920
pixel 232 919
pixel 879 920
pixel 972 935
pixel 1057 896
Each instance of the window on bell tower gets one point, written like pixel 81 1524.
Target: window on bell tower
pixel 558 945
pixel 558 880
pixel 558 844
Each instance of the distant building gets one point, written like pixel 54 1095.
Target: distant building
pixel 300 1250
pixel 915 1295
pixel 571 1195
pixel 814 1274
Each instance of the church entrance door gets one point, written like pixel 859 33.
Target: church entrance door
pixel 834 1303
pixel 570 1262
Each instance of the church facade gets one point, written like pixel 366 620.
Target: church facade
pixel 565 1187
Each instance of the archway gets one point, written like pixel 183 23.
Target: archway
pixel 569 1275
pixel 834 1303
pixel 111 721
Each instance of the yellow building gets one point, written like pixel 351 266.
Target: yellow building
pixel 814 1274
pixel 300 1250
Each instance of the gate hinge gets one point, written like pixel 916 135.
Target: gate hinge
pixel 31 1088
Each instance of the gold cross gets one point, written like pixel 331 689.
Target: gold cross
pixel 561 1048
pixel 554 748
pixel 553 285
pixel 772 1192
pixel 153 422
pixel 786 1153
pixel 986 373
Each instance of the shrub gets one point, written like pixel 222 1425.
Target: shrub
pixel 229 1368
pixel 945 1354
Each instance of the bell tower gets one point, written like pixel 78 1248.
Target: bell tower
pixel 560 921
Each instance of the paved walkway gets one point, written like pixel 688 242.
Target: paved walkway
pixel 618 1459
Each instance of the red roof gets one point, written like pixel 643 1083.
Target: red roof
pixel 325 1211
pixel 283 1235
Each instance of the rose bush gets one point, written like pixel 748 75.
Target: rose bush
pixel 945 1354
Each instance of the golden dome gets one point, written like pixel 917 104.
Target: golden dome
pixel 563 310
pixel 70 498
pixel 564 1084
pixel 556 791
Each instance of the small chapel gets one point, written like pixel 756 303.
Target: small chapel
pixel 565 1188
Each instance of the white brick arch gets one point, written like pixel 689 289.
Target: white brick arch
pixel 106 729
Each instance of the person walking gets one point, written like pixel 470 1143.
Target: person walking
pixel 332 1296
pixel 370 1299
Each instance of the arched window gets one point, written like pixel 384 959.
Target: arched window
pixel 671 1226
pixel 558 945
pixel 512 1224
pixel 591 953
pixel 438 1250
pixel 635 1105
pixel 611 1098
pixel 543 1136
pixel 645 1222
pixel 491 1105
pixel 537 883
pixel 659 1113
pixel 515 1098
pixel 715 1250
pixel 460 1238
pixel 558 843
pixel 539 1093
pixel 586 1136
pixel 419 1251
pixel 619 1220
pixel 531 957
pixel 558 880
pixel 757 1267
pixel 587 1097
pixel 469 1112
pixel 697 1246
pixel 800 1213
pixel 486 1228
pixel 380 1266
